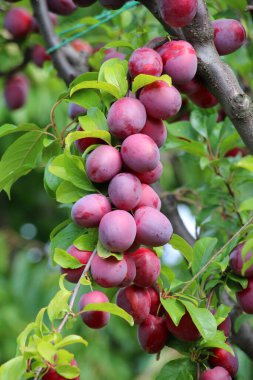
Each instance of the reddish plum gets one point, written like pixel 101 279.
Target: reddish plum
pixel 125 191
pixel 117 231
pixel 112 53
pixel 84 143
pixel 94 319
pixel 237 261
pixel 135 301
pixel 131 272
pixel 161 100
pixel 245 297
pixel 39 55
pixel 126 117
pixel 103 164
pixel 84 3
pixel 89 210
pixel 73 275
pixel 217 373
pixel 155 129
pixel 75 110
pixel 53 375
pixel 109 272
pixel 156 306
pixel 112 4
pixel 145 61
pixel 18 22
pixel 229 35
pixel 82 46
pixel 223 358
pixel 149 198
pixel 179 60
pixel 153 334
pixel 178 13
pixel 186 330
pixel 61 7
pixel 16 91
pixel 151 176
pixel 153 228
pixel 148 267
pixel 140 153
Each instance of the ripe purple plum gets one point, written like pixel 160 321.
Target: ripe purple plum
pixel 94 319
pixel 179 60
pixel 117 231
pixel 131 272
pixel 178 13
pixel 149 198
pixel 82 46
pixel 237 261
pixel 125 191
pixel 203 97
pixel 73 275
pixel 39 55
pixel 112 4
pixel 217 373
pixel 135 301
pixel 61 7
pixel 84 143
pixel 156 306
pixel 145 61
pixel 84 3
pixel 224 326
pixel 186 330
pixel 75 110
pixel 109 272
pixel 155 129
pixel 148 267
pixel 245 297
pixel 229 35
pixel 126 117
pixel 223 358
pixel 153 334
pixel 53 375
pixel 153 228
pixel 151 176
pixel 140 153
pixel 16 91
pixel 90 209
pixel 103 164
pixel 161 100
pixel 18 22
pixel 113 53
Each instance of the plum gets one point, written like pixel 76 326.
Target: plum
pixel 39 55
pixel 178 13
pixel 131 272
pixel 140 153
pixel 237 261
pixel 18 22
pixel 109 272
pixel 217 373
pixel 89 210
pixel 86 142
pixel 145 61
pixel 16 91
pixel 149 198
pixel 156 306
pixel 153 228
pixel 151 176
pixel 82 46
pixel 61 7
pixel 153 334
pixel 53 375
pixel 155 129
pixel 112 4
pixel 223 358
pixel 229 35
pixel 135 301
pixel 126 117
pixel 103 164
pixel 186 330
pixel 148 267
pixel 245 297
pixel 179 60
pixel 117 231
pixel 94 319
pixel 75 110
pixel 84 3
pixel 73 275
pixel 125 191
pixel 161 100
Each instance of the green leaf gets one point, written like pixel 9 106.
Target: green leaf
pixel 20 157
pixel 99 85
pixel 67 371
pixel 174 308
pixel 58 306
pixel 114 71
pixel 23 336
pixel 143 80
pixel 222 313
pixel 103 252
pixel 246 205
pixel 219 341
pixel 203 320
pixel 68 193
pixel 94 120
pixel 71 339
pixel 65 260
pixel 110 308
pixel 202 252
pixel 47 350
pixel 178 243
pixel 199 122
pixel 167 276
pixel 13 369
pixel 88 241
pixel 243 318
pixel 90 75
pixel 86 99
pixel 246 163
pixel 73 136
pixel 64 237
pixel 179 369
pixel 7 129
